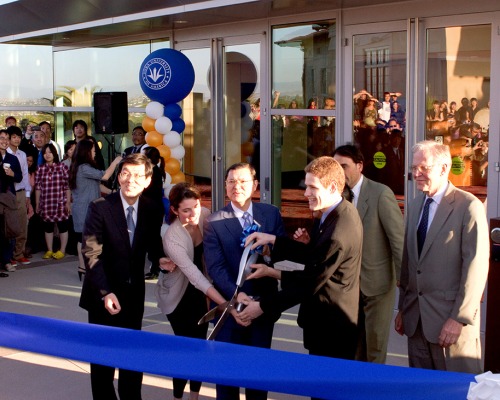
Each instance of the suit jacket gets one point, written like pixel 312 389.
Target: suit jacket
pixel 129 150
pixel 383 237
pixel 223 251
pixel 328 288
pixel 113 265
pixel 448 279
pixel 178 245
pixel 7 182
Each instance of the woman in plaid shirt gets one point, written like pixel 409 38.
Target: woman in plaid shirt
pixel 53 199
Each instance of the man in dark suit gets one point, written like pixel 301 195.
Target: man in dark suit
pixel 444 268
pixel 328 287
pixel 139 140
pixel 223 234
pixel 383 235
pixel 119 230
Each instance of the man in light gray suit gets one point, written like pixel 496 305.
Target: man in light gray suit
pixel 383 233
pixel 444 269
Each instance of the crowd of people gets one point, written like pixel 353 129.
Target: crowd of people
pixel 466 131
pixel 345 283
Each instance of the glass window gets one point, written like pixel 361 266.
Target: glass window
pixel 379 116
pixel 79 73
pixel 25 75
pixel 304 64
pixel 303 79
pixel 458 97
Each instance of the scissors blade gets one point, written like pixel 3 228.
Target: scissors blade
pixel 223 317
pixel 213 313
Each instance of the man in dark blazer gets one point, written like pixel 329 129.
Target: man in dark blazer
pixel 444 268
pixel 328 287
pixel 139 140
pixel 223 234
pixel 114 248
pixel 383 236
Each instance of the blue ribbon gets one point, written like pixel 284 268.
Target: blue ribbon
pixel 228 364
pixel 247 232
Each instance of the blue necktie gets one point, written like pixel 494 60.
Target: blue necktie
pixel 130 223
pixel 247 220
pixel 422 227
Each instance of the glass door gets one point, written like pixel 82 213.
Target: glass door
pixel 222 113
pixel 378 101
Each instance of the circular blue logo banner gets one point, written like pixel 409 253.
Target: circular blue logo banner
pixel 166 76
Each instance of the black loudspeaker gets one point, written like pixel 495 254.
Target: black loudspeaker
pixel 111 112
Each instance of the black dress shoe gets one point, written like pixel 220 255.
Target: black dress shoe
pixel 150 276
pixel 3 275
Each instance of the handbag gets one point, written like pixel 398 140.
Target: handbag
pixel 9 222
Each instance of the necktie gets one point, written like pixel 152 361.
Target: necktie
pixel 247 220
pixel 130 223
pixel 422 227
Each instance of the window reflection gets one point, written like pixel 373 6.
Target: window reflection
pixel 458 93
pixel 379 103
pixel 78 73
pixel 303 103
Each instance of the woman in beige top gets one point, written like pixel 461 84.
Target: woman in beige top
pixel 182 293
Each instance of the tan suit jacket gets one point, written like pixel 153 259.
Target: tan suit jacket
pixel 448 279
pixel 383 233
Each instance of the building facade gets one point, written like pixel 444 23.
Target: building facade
pixel 277 83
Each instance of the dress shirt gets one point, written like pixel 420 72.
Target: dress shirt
pixel 126 206
pixel 239 213
pixel 437 198
pixel 356 190
pixel 25 183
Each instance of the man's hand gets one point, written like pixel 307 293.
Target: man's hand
pixel 398 323
pixel 260 238
pixel 251 311
pixel 450 332
pixel 262 270
pixel 112 304
pixel 301 235
pixel 167 264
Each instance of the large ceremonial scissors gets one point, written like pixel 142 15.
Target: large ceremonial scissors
pixel 247 259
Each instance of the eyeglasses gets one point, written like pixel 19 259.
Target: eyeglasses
pixel 232 182
pixel 421 168
pixel 127 175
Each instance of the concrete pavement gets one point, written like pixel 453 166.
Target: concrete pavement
pixel 52 289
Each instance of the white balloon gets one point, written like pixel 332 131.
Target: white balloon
pixel 168 181
pixel 172 139
pixel 163 125
pixel 154 110
pixel 167 189
pixel 178 152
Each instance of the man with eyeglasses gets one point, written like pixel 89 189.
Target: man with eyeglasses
pixel 139 140
pixel 444 268
pixel 223 235
pixel 119 230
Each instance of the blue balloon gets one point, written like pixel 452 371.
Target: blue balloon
pixel 166 76
pixel 178 125
pixel 172 111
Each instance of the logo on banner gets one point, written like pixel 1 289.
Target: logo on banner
pixel 156 73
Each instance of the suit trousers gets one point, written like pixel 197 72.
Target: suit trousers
pixel 22 214
pixel 259 334
pixel 463 356
pixel 102 376
pixel 374 325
